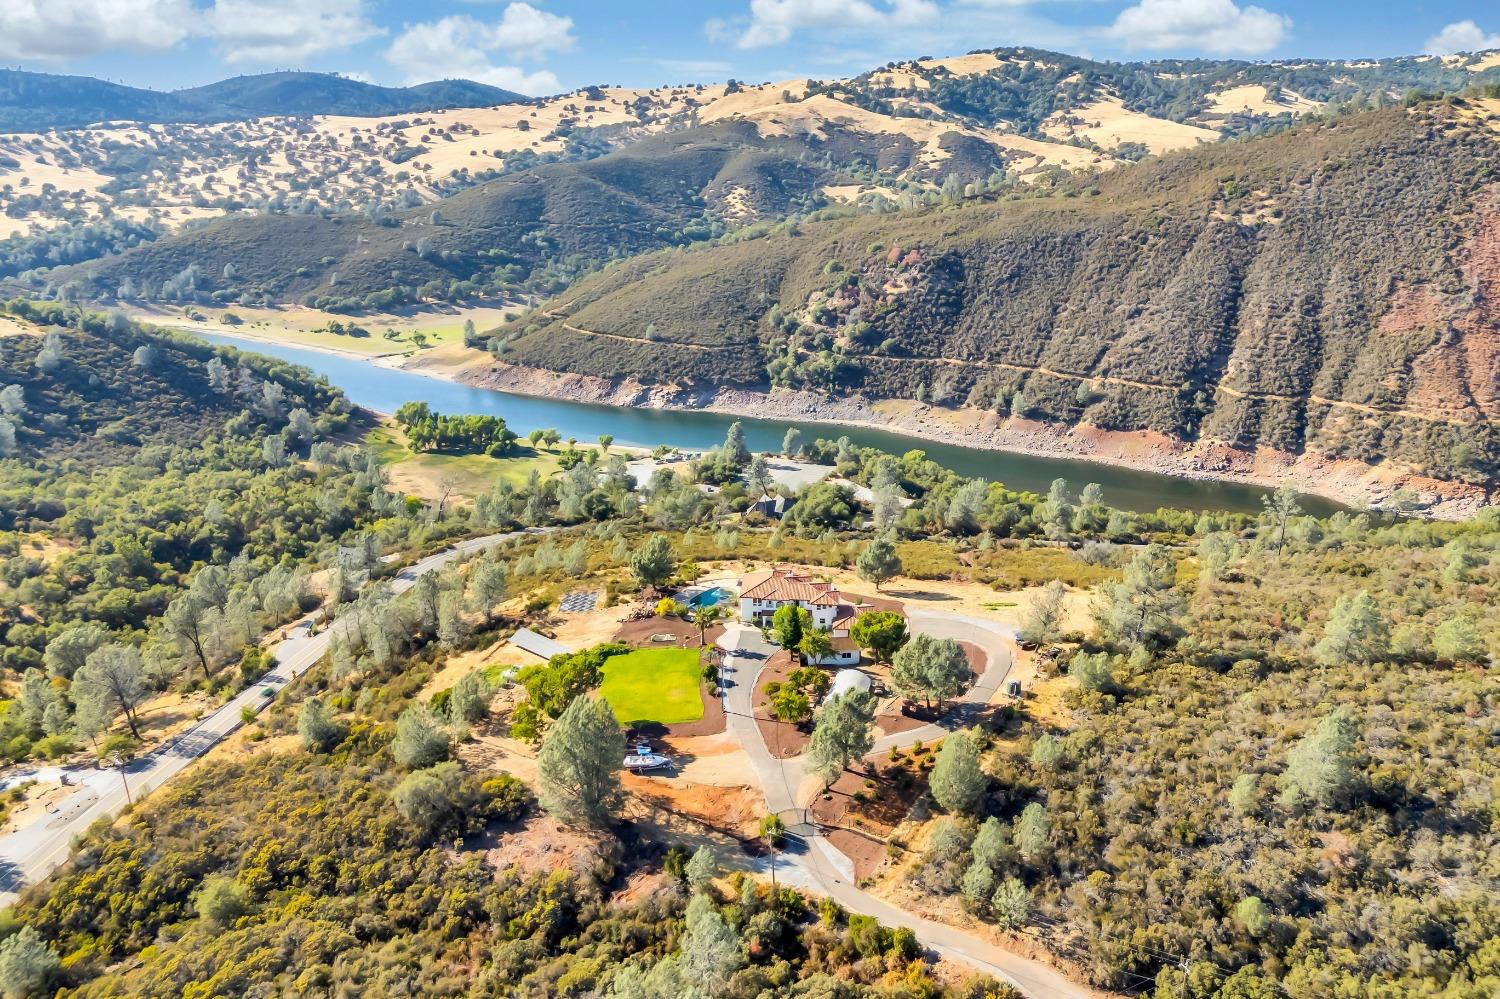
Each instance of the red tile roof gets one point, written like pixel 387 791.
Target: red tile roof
pixel 780 585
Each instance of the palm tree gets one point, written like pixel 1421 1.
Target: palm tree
pixel 706 617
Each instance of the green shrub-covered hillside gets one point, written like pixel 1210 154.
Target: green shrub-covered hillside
pixel 1320 289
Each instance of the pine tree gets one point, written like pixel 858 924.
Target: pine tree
pixel 1356 633
pixel 1033 836
pixel 316 727
pixel 1145 609
pixel 841 734
pixel 579 764
pixel 957 782
pixel 735 451
pixel 1322 767
pixel 791 444
pixel 1279 509
pixel 27 965
pixel 654 562
pixel 420 740
pixel 879 561
pixel 1043 619
pixel 702 869
pixel 929 668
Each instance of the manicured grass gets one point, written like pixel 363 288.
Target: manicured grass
pixel 420 473
pixel 653 685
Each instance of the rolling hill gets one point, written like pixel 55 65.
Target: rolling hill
pixel 1035 112
pixel 1328 289
pixel 33 102
pixel 532 228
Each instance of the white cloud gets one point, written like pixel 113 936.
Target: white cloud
pixel 527 33
pixel 462 46
pixel 775 21
pixel 1206 25
pixel 278 31
pixel 1461 36
pixel 716 69
pixel 61 29
pixel 287 31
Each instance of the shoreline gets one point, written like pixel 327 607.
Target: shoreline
pixel 391 359
pixel 1348 483
pixel 1352 484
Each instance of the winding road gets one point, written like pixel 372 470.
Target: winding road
pixel 29 854
pixel 33 852
pixel 815 864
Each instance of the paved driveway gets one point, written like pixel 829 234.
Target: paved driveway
pixel 812 863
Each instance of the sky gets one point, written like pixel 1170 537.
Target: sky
pixel 551 46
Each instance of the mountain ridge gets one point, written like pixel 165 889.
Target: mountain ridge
pixel 32 101
pixel 1327 290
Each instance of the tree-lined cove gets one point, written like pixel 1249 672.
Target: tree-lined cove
pixel 386 390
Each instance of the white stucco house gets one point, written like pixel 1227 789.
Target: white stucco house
pixel 763 592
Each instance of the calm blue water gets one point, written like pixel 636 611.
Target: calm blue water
pixel 385 389
pixel 710 597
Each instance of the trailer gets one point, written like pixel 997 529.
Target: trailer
pixel 644 762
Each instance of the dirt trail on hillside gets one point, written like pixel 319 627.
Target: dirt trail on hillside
pixel 1432 414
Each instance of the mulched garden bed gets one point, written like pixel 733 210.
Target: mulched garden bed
pixel 911 715
pixel 684 633
pixel 860 828
pixel 782 739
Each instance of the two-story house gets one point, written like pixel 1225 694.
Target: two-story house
pixel 764 591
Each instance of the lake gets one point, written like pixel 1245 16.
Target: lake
pixel 385 389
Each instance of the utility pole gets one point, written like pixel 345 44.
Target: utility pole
pixel 120 762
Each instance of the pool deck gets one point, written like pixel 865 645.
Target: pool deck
pixel 690 594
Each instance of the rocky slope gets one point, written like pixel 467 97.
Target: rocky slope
pixel 1331 290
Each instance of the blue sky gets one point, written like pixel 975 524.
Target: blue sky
pixel 545 46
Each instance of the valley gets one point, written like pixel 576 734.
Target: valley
pixel 995 525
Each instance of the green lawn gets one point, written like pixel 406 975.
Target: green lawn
pixel 653 685
pixel 420 473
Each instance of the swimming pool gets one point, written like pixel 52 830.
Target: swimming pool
pixel 712 595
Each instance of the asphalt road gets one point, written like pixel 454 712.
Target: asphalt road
pixel 30 854
pixel 811 863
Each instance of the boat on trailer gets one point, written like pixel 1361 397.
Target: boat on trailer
pixel 639 762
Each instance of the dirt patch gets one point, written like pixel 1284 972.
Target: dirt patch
pixel 734 811
pixel 684 634
pixel 1043 697
pixel 716 760
pixel 34 801
pixel 539 844
pixel 640 886
pixel 866 851
pixel 490 747
pixel 584 631
pixel 783 740
pixel 455 668
pixel 44 549
pixel 863 808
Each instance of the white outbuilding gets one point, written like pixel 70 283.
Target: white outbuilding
pixel 846 680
